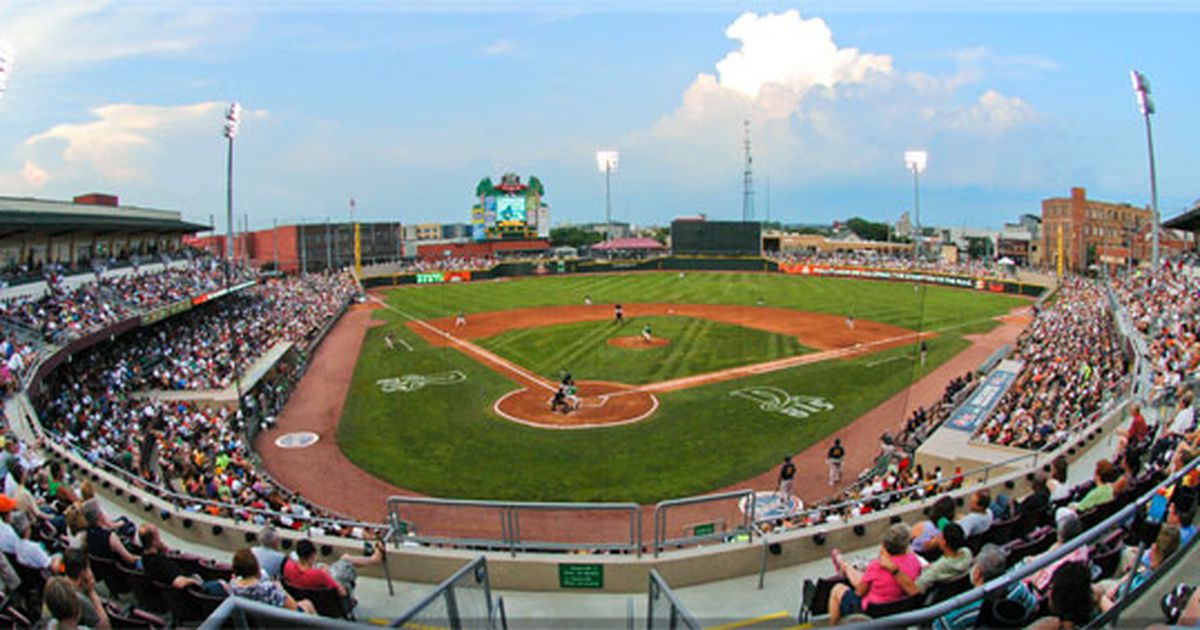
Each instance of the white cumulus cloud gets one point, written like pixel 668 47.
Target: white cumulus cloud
pixel 819 110
pixel 123 139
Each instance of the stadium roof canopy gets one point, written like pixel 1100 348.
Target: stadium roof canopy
pixel 61 217
pixel 1189 220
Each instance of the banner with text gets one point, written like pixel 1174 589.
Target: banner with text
pixel 985 398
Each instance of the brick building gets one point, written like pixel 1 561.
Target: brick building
pixel 1087 226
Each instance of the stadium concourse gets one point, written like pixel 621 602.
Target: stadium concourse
pixel 137 341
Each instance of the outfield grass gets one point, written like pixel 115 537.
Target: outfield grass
pixel 447 441
pixel 697 346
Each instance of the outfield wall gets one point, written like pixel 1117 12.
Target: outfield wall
pixel 516 269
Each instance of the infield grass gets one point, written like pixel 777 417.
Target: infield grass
pixel 447 441
pixel 696 346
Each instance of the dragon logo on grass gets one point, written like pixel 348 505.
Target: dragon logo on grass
pixel 775 400
pixel 414 382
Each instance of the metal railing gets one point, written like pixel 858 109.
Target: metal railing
pixel 664 610
pixel 508 513
pixel 662 509
pixel 463 600
pixel 239 612
pixel 1002 583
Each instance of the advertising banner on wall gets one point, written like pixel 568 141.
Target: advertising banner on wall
pixel 985 398
pixel 543 222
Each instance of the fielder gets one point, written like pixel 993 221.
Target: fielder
pixel 387 341
pixel 618 314
pixel 460 319
pixel 647 334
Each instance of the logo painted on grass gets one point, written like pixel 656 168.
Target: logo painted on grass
pixel 775 400
pixel 300 439
pixel 413 382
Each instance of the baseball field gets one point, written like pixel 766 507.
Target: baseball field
pixel 744 369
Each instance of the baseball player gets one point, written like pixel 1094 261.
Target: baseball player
pixel 587 300
pixel 850 321
pixel 834 458
pixel 924 352
pixel 460 319
pixel 647 334
pixel 618 314
pixel 559 402
pixel 387 341
pixel 572 393
pixel 787 478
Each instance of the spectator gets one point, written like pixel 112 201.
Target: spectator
pixel 1138 429
pixel 927 532
pixel 877 584
pixel 1069 527
pixel 8 535
pixel 9 580
pixel 78 572
pixel 953 564
pixel 1057 483
pixel 248 582
pixel 978 518
pixel 1034 509
pixel 303 571
pixel 1109 592
pixel 162 568
pixel 103 542
pixel 1071 602
pixel 989 565
pixel 1185 416
pixel 267 552
pixel 29 553
pixel 1102 492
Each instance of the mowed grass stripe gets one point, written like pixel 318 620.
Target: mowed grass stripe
pixel 447 441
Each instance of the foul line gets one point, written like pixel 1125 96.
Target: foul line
pixel 470 348
pixel 696 380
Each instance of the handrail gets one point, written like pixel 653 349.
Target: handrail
pixel 478 564
pixel 233 611
pixel 1029 568
pixel 679 615
pixel 660 520
pixel 510 522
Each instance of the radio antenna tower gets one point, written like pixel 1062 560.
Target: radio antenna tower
pixel 748 178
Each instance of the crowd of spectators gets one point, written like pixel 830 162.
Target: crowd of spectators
pixel 192 449
pixel 953 551
pixel 1072 359
pixel 1162 305
pixel 63 313
pixel 896 262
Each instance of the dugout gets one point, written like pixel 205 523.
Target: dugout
pixel 700 237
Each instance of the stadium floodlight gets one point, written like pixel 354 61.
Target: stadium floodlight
pixel 6 66
pixel 916 161
pixel 233 119
pixel 1141 88
pixel 606 162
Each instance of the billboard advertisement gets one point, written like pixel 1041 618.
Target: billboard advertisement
pixel 510 210
pixel 543 222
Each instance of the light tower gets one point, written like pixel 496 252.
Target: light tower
pixel 1141 87
pixel 233 117
pixel 606 162
pixel 747 177
pixel 916 162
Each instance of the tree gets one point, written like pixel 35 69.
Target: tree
pixel 660 234
pixel 868 230
pixel 574 237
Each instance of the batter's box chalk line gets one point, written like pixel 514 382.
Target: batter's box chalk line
pixel 584 401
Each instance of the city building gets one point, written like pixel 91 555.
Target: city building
pixel 1101 232
pixel 315 246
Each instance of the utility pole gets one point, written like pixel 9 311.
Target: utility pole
pixel 275 241
pixel 328 247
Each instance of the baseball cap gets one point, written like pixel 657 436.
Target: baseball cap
pixel 7 504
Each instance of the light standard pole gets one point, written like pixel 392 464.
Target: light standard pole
pixel 1141 87
pixel 233 118
pixel 916 162
pixel 606 162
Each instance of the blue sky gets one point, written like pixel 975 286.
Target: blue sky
pixel 405 105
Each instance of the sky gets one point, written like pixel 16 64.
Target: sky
pixel 404 105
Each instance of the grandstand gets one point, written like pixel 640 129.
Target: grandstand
pixel 133 399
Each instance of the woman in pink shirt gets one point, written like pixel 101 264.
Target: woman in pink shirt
pixel 877 584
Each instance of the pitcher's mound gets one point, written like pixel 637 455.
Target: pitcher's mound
pixel 600 404
pixel 636 342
